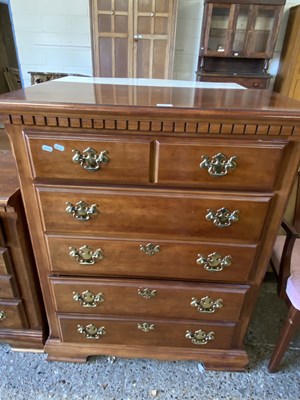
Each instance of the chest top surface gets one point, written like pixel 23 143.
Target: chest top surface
pixel 78 94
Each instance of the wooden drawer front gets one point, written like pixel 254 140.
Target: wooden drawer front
pixel 6 287
pixel 257 164
pixel 159 213
pixel 128 161
pixel 151 298
pixel 173 260
pixel 247 82
pixel 12 315
pixel 4 261
pixel 163 333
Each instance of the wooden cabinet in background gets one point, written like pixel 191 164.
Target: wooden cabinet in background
pixel 133 38
pixel 287 80
pixel 21 306
pixel 238 40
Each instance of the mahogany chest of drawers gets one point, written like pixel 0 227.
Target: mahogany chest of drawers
pixel 22 317
pixel 153 212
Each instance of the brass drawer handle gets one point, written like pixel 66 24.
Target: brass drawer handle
pixel 206 305
pixel 90 160
pixel 222 217
pixel 147 293
pixel 200 337
pixel 88 298
pixel 86 255
pixel 91 331
pixel 214 262
pixel 145 327
pixel 150 249
pixel 218 165
pixel 3 315
pixel 81 211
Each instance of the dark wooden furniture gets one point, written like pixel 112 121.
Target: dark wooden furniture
pixel 9 76
pixel 153 212
pixel 22 317
pixel 133 39
pixel 281 256
pixel 289 290
pixel 285 262
pixel 287 79
pixel 238 40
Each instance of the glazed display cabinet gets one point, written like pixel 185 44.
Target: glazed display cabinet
pixel 238 40
pixel 153 212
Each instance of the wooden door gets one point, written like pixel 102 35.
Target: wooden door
pixel 112 37
pixel 133 38
pixel 154 36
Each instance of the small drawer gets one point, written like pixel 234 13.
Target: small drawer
pixel 7 287
pixel 215 164
pixel 12 315
pixel 151 298
pixel 255 83
pixel 151 258
pixel 217 216
pixel 146 332
pixel 5 267
pixel 125 160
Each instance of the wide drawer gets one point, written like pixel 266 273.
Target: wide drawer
pixel 213 164
pixel 145 332
pixel 12 315
pixel 151 298
pixel 143 258
pixel 6 287
pixel 170 214
pixel 125 160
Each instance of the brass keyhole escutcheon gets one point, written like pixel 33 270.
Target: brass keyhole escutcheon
pixel 145 326
pixel 150 249
pixel 147 293
pixel 214 262
pixel 88 298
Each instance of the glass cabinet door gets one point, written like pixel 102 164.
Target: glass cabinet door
pixel 243 14
pixel 263 31
pixel 219 16
pixel 263 27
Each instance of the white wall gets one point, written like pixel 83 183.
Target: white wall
pixel 274 63
pixel 189 21
pixel 54 36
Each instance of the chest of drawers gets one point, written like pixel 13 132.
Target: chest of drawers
pixel 152 223
pixel 22 317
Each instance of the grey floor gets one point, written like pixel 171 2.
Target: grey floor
pixel 30 376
